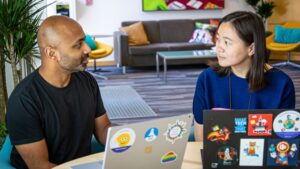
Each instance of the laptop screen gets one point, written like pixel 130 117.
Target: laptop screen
pixel 251 138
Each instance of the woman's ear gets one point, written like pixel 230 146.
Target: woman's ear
pixel 251 49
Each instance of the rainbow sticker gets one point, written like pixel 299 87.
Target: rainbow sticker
pixel 168 158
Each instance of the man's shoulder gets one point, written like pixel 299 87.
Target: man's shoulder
pixel 25 85
pixel 83 75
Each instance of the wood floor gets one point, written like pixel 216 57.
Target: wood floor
pixel 176 96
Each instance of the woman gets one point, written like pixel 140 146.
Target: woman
pixel 242 79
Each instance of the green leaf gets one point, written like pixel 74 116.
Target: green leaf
pixel 21 19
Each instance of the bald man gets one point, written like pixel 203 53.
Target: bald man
pixel 53 113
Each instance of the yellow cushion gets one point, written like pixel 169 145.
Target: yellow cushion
pixel 136 34
pixel 98 51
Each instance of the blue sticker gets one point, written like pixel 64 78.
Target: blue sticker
pixel 283 152
pixel 240 125
pixel 151 134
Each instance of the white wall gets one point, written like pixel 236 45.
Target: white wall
pixel 105 17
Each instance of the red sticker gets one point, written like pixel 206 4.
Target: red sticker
pixel 260 124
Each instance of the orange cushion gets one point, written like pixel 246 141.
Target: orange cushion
pixel 214 22
pixel 136 34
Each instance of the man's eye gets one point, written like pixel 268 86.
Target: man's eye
pixel 78 46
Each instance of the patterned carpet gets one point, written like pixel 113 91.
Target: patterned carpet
pixel 174 97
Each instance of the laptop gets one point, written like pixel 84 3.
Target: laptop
pixel 158 143
pixel 239 139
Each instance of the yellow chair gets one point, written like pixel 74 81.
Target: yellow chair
pixel 102 50
pixel 280 47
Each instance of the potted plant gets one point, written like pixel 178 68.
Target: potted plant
pixel 264 8
pixel 19 22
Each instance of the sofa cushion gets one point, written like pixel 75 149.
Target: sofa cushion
pixel 151 29
pixel 136 34
pixel 176 30
pixel 286 35
pixel 150 49
pixel 201 36
pixel 187 46
pixel 90 42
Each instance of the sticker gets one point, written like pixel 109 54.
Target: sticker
pixel 151 134
pixel 251 152
pixel 227 156
pixel 168 158
pixel 282 152
pixel 240 125
pixel 287 124
pixel 148 150
pixel 122 140
pixel 175 131
pixel 260 124
pixel 219 135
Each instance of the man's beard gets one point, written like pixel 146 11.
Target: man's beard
pixel 69 65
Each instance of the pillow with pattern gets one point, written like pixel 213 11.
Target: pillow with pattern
pixel 202 36
pixel 205 33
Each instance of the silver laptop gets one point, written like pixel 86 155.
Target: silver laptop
pixel 152 144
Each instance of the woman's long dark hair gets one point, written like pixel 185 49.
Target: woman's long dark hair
pixel 250 29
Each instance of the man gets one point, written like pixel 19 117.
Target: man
pixel 52 113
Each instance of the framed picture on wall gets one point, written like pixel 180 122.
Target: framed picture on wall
pixel 63 9
pixel 181 5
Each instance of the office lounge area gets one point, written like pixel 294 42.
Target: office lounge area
pixel 165 99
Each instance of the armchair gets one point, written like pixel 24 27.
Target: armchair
pixel 102 50
pixel 282 47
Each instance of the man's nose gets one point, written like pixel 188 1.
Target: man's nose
pixel 86 49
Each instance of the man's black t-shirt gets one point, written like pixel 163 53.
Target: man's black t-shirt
pixel 64 117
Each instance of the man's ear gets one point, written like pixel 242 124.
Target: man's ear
pixel 50 53
pixel 251 49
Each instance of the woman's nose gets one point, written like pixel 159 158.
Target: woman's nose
pixel 219 47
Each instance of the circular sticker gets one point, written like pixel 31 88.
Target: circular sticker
pixel 122 140
pixel 151 134
pixel 175 131
pixel 283 147
pixel 287 124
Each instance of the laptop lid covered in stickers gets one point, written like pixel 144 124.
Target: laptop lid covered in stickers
pixel 158 143
pixel 251 139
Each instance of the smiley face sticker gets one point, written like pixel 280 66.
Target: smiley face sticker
pixel 122 140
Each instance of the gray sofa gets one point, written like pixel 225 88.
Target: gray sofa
pixel 164 35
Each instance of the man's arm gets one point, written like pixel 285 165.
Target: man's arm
pixel 35 155
pixel 198 131
pixel 102 123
